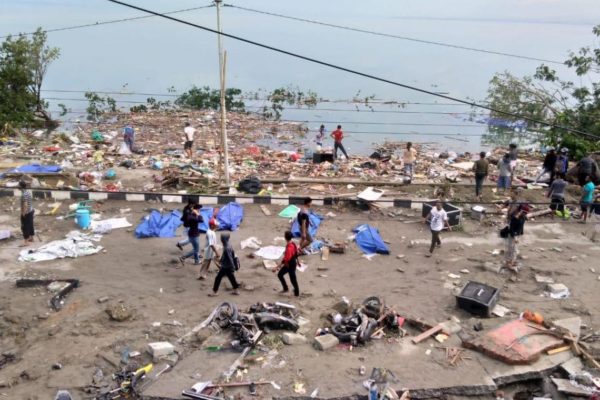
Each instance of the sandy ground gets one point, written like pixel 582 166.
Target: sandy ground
pixel 141 274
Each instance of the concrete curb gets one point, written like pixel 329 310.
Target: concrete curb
pixel 57 194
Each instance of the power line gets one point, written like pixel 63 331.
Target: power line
pixel 114 21
pixel 254 98
pixel 299 108
pixel 389 35
pixel 355 72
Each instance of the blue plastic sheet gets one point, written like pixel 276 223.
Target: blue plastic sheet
pixel 369 240
pixel 159 225
pixel 207 214
pixel 314 219
pixel 35 168
pixel 230 217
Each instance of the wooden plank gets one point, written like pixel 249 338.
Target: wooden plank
pixel 428 333
pixel 265 210
pixel 558 350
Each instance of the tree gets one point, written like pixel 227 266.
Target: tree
pixel 17 102
pixel 205 98
pixel 41 56
pixel 98 105
pixel 23 66
pixel 558 102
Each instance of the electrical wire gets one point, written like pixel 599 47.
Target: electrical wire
pixel 356 72
pixel 298 108
pixel 114 21
pixel 252 98
pixel 430 42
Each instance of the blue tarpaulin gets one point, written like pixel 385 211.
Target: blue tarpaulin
pixel 159 225
pixel 207 214
pixel 369 240
pixel 315 221
pixel 230 217
pixel 35 169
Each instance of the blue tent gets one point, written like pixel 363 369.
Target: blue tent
pixel 230 217
pixel 207 214
pixel 159 225
pixel 35 169
pixel 315 220
pixel 369 240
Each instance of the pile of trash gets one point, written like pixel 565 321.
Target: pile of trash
pixel 361 324
pixel 260 318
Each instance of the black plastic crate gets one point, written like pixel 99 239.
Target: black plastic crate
pixel 454 213
pixel 478 298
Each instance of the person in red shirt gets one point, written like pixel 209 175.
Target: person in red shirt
pixel 337 136
pixel 288 265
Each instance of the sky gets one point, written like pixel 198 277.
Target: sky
pixel 153 54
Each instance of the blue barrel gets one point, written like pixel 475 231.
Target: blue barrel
pixel 82 217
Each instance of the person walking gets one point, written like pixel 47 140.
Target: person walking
pixel 129 137
pixel 210 250
pixel 556 193
pixel 184 218
pixel 303 218
pixel 504 173
pixel 513 153
pixel 408 159
pixel 288 265
pixel 189 132
pixel 562 163
pixel 481 168
pixel 516 216
pixel 587 197
pixel 320 137
pixel 228 267
pixel 27 213
pixel 438 218
pixel 549 166
pixel 338 136
pixel 193 220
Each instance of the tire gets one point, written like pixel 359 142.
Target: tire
pixel 372 307
pixel 339 332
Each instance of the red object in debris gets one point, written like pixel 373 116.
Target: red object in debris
pixel 533 317
pixel 294 157
pixel 253 150
pixel 401 321
pixel 51 149
pixel 111 187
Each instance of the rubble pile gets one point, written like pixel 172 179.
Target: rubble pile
pixel 270 150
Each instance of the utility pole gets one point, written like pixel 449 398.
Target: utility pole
pixel 222 83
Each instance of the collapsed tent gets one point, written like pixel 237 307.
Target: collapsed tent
pixel 35 169
pixel 206 213
pixel 369 241
pixel 75 245
pixel 313 226
pixel 230 217
pixel 159 225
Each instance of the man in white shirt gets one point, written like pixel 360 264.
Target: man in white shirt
pixel 210 250
pixel 189 132
pixel 437 218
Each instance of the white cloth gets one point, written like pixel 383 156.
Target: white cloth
pixel 211 240
pixel 437 219
pixel 75 245
pixel 270 252
pixel 189 133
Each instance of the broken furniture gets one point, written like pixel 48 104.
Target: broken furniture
pixel 515 342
